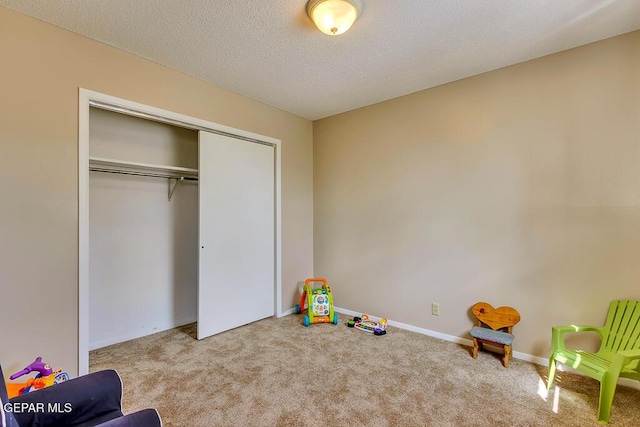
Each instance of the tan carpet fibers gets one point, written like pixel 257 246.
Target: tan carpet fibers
pixel 276 372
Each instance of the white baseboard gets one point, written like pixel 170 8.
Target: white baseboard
pixel 286 313
pixel 428 332
pixel 411 328
pixel 459 340
pixel 139 334
pixel 530 358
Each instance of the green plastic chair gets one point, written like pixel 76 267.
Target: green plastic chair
pixel 619 354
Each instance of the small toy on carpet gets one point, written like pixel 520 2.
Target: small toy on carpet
pixel 367 325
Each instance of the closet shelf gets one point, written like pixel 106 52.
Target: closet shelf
pixel 176 171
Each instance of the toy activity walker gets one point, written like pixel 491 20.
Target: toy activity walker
pixel 319 302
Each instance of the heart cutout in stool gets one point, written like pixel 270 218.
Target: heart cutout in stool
pixel 495 318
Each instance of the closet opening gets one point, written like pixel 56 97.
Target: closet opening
pixel 155 243
pixel 143 227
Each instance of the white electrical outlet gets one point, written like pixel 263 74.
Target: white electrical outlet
pixel 435 309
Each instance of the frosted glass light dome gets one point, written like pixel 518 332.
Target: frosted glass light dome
pixel 333 17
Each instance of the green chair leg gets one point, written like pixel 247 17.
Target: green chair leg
pixel 552 372
pixel 607 391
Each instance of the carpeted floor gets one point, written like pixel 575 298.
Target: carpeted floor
pixel 276 372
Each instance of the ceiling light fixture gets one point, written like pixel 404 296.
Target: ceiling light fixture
pixel 334 17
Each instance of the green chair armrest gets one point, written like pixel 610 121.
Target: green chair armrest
pixel 557 334
pixel 622 359
pixel 630 354
pixel 566 329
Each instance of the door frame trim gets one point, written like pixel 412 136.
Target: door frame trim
pixel 87 99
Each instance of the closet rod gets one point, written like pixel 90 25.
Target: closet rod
pixel 153 175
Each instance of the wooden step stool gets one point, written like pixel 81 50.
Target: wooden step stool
pixel 495 327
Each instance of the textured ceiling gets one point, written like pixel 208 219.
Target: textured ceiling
pixel 270 51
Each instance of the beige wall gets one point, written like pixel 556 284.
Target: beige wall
pixel 41 69
pixel 517 187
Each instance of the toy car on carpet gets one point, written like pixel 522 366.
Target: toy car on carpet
pixel 367 325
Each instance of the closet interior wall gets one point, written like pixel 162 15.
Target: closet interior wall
pixel 143 256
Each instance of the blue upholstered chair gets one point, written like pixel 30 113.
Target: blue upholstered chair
pixel 86 401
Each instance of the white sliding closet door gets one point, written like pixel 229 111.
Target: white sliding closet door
pixel 237 230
